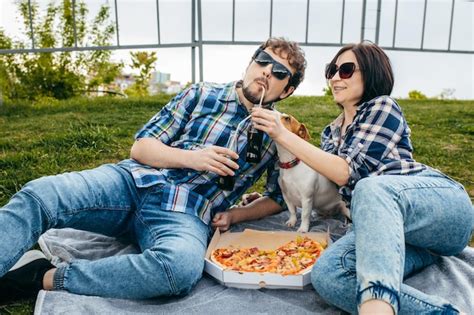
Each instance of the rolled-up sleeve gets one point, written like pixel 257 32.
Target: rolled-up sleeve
pixel 375 133
pixel 168 124
pixel 272 188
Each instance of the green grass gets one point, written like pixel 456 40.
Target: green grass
pixel 45 139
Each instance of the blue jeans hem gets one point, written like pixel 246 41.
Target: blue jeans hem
pixel 379 292
pixel 59 277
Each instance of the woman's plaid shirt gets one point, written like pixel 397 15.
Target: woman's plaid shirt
pixel 377 142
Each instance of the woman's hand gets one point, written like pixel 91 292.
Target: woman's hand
pixel 268 121
pixel 214 159
pixel 222 221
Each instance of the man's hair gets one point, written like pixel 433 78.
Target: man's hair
pixel 295 57
pixel 375 67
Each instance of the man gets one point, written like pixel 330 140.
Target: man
pixel 163 199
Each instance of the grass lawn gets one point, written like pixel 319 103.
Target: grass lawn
pixel 46 139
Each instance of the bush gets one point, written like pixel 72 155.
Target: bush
pixel 416 95
pixel 327 91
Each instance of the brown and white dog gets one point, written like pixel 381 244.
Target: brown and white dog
pixel 302 186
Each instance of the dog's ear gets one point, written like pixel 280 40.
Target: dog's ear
pixel 303 132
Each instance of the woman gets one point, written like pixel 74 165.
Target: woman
pixel 405 214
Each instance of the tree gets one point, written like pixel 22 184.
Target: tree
pixel 143 62
pixel 447 94
pixel 6 61
pixel 61 74
pixel 103 71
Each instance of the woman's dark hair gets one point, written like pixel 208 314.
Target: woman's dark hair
pixel 374 66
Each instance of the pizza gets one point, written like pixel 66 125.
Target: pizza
pixel 292 258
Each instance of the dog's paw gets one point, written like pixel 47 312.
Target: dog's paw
pixel 291 222
pixel 304 226
pixel 303 229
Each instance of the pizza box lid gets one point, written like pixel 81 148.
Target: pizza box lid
pixel 263 240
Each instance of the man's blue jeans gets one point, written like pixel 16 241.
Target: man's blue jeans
pixel 401 224
pixel 105 200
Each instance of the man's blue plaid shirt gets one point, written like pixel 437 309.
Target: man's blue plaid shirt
pixel 377 142
pixel 203 115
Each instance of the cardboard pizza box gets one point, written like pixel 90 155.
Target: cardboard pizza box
pixel 263 240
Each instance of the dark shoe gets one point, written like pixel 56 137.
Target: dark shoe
pixel 25 278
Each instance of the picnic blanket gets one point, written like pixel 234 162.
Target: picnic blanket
pixel 451 278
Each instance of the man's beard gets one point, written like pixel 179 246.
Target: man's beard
pixel 254 97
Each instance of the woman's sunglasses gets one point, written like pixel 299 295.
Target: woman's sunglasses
pixel 279 71
pixel 346 70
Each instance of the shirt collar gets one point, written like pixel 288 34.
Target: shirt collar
pixel 363 106
pixel 229 94
pixel 336 125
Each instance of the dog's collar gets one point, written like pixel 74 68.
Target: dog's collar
pixel 290 164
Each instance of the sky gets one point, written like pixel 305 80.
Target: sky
pixel 430 73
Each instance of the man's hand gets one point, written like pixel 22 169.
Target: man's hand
pixel 214 159
pixel 253 206
pixel 222 221
pixel 248 198
pixel 153 152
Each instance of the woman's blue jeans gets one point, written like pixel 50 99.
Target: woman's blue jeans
pixel 105 200
pixel 401 224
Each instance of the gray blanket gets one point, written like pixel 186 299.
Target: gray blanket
pixel 451 278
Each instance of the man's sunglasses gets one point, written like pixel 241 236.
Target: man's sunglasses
pixel 346 70
pixel 278 70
